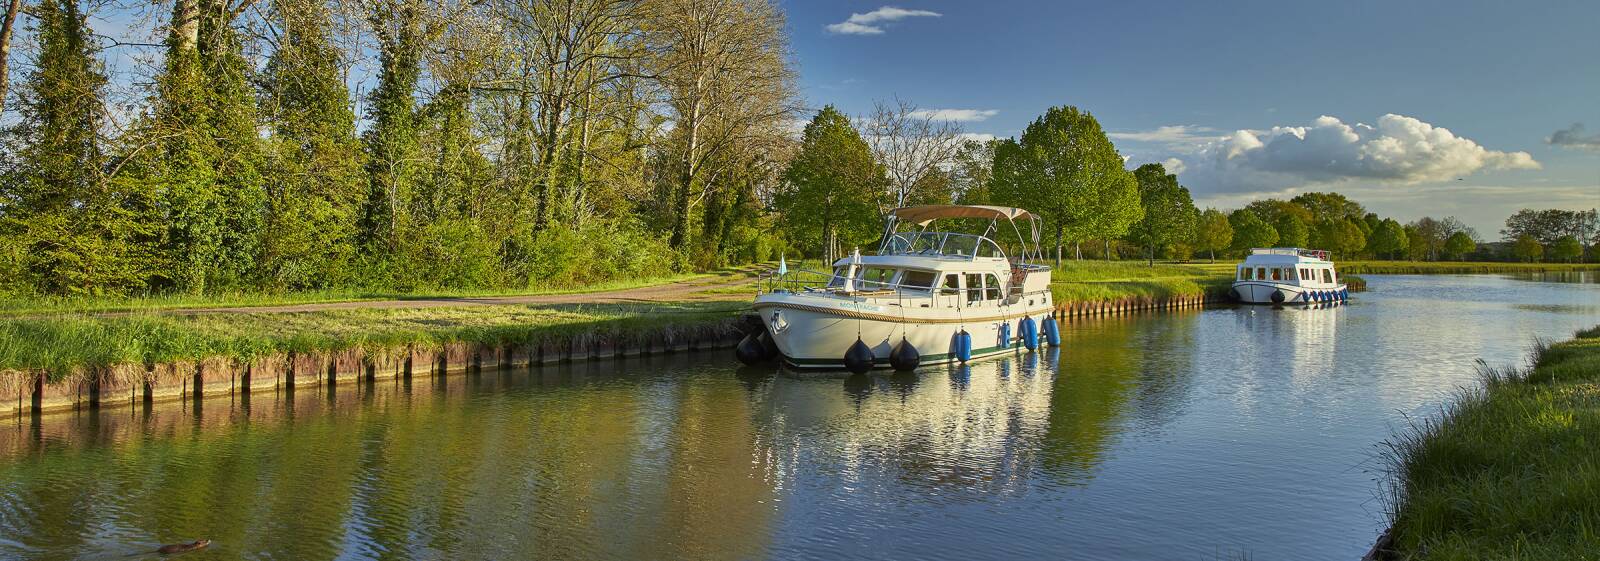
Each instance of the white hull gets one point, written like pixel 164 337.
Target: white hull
pixel 1260 292
pixel 814 332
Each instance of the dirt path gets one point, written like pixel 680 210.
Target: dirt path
pixel 688 290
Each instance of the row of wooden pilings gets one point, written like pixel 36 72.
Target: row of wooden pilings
pixel 1139 304
pixel 132 385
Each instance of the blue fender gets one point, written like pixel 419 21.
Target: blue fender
pixel 1005 335
pixel 1052 334
pixel 1030 333
pixel 963 346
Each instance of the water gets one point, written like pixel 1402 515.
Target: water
pixel 1199 435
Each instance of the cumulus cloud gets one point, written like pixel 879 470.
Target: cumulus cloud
pixel 1397 150
pixel 868 23
pixel 962 115
pixel 1572 137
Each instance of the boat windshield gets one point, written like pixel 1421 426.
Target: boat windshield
pixel 949 244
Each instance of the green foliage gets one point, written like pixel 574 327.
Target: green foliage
pixel 313 204
pixel 1213 233
pixel 392 142
pixel 1566 249
pixel 972 172
pixel 1066 170
pixel 1169 213
pixel 1527 249
pixel 828 198
pixel 1273 210
pixel 1292 231
pixel 1342 237
pixel 1328 207
pixel 1389 239
pixel 1249 231
pixel 75 230
pixel 1459 245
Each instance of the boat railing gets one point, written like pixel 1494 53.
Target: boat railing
pixel 806 280
pixel 941 244
pixel 1322 254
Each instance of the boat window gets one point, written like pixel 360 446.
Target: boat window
pixel 1261 273
pixel 1277 274
pixel 1327 276
pixel 873 278
pixel 1244 273
pixel 974 287
pixel 1332 277
pixel 927 242
pixel 987 248
pixel 918 280
pixel 960 245
pixel 838 277
pixel 952 285
pixel 1305 274
pixel 991 287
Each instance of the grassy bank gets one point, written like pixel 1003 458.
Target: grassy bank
pixel 1457 267
pixel 39 305
pixel 64 345
pixel 1091 281
pixel 1510 471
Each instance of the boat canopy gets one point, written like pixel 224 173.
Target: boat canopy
pixel 924 214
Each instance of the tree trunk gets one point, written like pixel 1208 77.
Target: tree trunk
pixel 5 50
pixel 186 24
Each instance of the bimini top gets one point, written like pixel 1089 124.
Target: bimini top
pixel 927 213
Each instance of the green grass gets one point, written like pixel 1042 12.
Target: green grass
pixel 39 305
pixel 1456 267
pixel 1509 471
pixel 1093 281
pixel 64 346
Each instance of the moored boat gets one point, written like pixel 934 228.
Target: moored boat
pixel 1288 275
pixel 927 296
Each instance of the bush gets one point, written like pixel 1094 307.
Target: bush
pixel 562 257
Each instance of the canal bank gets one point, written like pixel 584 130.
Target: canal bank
pixel 1508 470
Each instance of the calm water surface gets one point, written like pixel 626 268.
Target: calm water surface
pixel 1192 435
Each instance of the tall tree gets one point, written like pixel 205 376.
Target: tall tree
pixel 314 201
pixel 1273 210
pixel 911 145
pixel 1169 213
pixel 1527 248
pixel 724 71
pixel 82 231
pixel 1213 232
pixel 1066 170
pixel 1292 232
pixel 7 25
pixel 1250 231
pixel 972 170
pixel 1459 245
pixel 1388 239
pixel 1566 248
pixel 1435 231
pixel 1342 237
pixel 1324 207
pixel 392 141
pixel 830 191
pixel 239 156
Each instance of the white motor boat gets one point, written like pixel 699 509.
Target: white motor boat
pixel 927 297
pixel 1288 275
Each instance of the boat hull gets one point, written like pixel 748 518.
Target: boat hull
pixel 1260 292
pixel 815 334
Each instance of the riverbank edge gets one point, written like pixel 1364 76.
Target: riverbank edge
pixel 1460 267
pixel 1559 382
pixel 95 387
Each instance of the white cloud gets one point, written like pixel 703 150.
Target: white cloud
pixel 1169 134
pixel 1572 137
pixel 961 115
pixel 1174 166
pixel 978 136
pixel 1398 150
pixel 866 24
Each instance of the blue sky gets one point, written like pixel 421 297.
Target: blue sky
pixel 1473 91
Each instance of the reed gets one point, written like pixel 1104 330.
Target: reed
pixel 1508 470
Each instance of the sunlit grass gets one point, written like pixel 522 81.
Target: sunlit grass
pixel 61 345
pixel 1509 471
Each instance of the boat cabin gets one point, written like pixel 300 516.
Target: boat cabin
pixel 1290 266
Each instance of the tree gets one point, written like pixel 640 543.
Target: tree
pixel 314 201
pixel 7 25
pixel 1341 237
pixel 1526 248
pixel 1547 226
pixel 1566 248
pixel 1292 231
pixel 971 171
pixel 1459 245
pixel 391 142
pixel 1434 232
pixel 723 69
pixel 1066 170
pixel 911 145
pixel 81 230
pixel 1169 213
pixel 1213 232
pixel 1250 231
pixel 1273 210
pixel 830 190
pixel 1388 238
pixel 1325 207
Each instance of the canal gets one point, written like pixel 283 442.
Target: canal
pixel 1223 433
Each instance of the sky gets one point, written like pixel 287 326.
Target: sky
pixel 1413 108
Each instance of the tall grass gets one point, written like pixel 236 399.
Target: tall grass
pixel 1508 470
pixel 65 345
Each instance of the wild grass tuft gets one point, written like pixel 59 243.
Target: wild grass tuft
pixel 1508 470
